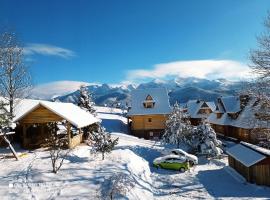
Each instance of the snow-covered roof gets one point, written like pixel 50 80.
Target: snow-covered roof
pixel 193 107
pixel 223 120
pixel 245 155
pixel 68 111
pixel 231 104
pixel 257 148
pixel 246 118
pixel 160 97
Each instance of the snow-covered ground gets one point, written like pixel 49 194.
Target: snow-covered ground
pixel 86 176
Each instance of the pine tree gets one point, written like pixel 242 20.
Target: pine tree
pixel 178 127
pixel 85 100
pixel 102 142
pixel 205 139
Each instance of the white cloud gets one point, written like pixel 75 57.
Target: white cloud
pixel 210 69
pixel 46 49
pixel 57 88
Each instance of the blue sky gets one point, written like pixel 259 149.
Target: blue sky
pixel 123 40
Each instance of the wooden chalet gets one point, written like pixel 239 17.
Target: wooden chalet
pixel 148 112
pixel 198 110
pixel 235 117
pixel 251 161
pixel 33 116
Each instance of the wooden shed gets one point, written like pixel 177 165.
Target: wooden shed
pixel 251 161
pixel 32 117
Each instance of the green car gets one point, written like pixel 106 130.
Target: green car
pixel 173 162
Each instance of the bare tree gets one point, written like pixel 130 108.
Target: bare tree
pixel 57 145
pixel 260 89
pixel 14 75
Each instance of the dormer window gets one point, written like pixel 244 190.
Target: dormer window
pixel 149 102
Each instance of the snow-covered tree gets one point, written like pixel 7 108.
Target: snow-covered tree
pixel 15 79
pixel 85 100
pixel 260 89
pixel 57 147
pixel 102 142
pixel 178 127
pixel 205 140
pixel 5 118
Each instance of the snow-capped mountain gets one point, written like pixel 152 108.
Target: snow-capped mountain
pixel 180 89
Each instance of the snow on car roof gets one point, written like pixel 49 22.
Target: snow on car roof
pixel 245 155
pixel 68 111
pixel 160 97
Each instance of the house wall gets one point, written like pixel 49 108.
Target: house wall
pixel 235 132
pixel 258 173
pixel 141 122
pixel 142 127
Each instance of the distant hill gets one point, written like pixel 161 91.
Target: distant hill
pixel 179 89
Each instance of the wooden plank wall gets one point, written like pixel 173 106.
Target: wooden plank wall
pixel 40 115
pixel 259 173
pixel 141 122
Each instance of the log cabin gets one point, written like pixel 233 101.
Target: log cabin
pixel 33 116
pixel 198 110
pixel 148 112
pixel 235 117
pixel 251 161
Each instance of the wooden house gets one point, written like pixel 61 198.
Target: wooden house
pixel 198 110
pixel 251 161
pixel 235 117
pixel 33 116
pixel 148 112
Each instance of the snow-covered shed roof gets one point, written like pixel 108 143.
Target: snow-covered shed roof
pixel 160 98
pixel 245 155
pixel 68 111
pixel 193 107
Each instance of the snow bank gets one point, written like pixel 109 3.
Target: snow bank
pixel 139 172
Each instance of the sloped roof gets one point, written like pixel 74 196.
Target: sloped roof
pixel 247 118
pixel 68 111
pixel 231 104
pixel 193 107
pixel 223 120
pixel 160 97
pixel 257 148
pixel 245 155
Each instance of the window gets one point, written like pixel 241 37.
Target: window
pixel 151 134
pixel 149 102
pixel 149 119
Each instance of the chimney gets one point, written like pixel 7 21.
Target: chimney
pixel 244 98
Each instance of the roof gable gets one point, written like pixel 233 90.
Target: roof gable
pixel 68 111
pixel 139 96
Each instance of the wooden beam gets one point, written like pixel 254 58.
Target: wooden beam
pixel 69 134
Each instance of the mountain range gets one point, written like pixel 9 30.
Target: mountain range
pixel 179 89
